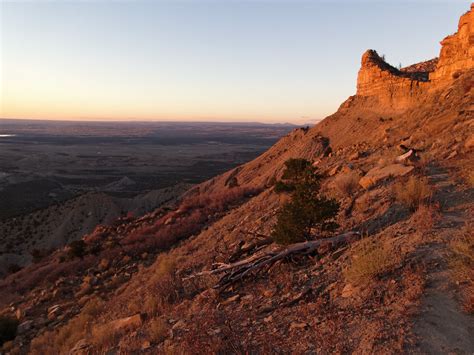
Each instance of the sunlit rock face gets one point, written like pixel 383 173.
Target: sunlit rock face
pixel 457 51
pixel 400 88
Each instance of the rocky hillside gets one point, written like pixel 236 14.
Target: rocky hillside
pixel 25 237
pixel 205 277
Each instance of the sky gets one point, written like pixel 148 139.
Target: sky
pixel 268 61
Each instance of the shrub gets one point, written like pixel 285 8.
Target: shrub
pixel 281 186
pixel 413 192
pixel 8 327
pixel 307 210
pixel 347 184
pixel 370 259
pixel 296 169
pixel 462 264
pixel 193 214
pixel 62 339
pixel 77 249
pixel 425 217
pixel 167 287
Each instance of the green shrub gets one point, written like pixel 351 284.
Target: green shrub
pixel 307 210
pixel 281 186
pixel 8 327
pixel 296 169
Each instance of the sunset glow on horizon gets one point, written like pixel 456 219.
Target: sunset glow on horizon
pixel 266 61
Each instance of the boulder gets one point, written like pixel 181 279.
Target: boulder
pixel 380 173
pixel 129 322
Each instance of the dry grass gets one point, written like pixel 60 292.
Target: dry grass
pixel 64 338
pixel 104 337
pixel 157 330
pixel 370 259
pixel 347 184
pixel 166 288
pixel 426 217
pixel 462 264
pixel 414 192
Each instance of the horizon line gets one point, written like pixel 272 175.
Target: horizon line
pixel 155 121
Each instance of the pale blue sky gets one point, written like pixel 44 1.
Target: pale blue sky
pixel 285 61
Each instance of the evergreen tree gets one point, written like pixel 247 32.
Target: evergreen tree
pixel 307 210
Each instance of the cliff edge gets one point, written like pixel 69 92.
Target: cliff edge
pixel 400 88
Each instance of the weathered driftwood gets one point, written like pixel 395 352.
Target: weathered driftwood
pixel 252 247
pixel 409 153
pixel 264 259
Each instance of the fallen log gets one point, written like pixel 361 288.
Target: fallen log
pixel 264 259
pixel 252 247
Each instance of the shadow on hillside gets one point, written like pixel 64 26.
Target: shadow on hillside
pixel 394 214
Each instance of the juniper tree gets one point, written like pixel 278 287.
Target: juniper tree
pixel 307 210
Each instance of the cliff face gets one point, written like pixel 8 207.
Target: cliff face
pixel 392 86
pixel 457 51
pixel 401 88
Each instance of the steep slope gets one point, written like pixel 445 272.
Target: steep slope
pixel 57 225
pixel 372 296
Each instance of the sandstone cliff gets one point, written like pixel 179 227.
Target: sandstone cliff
pixel 457 51
pixel 400 88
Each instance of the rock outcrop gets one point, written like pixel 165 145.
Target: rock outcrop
pixel 399 88
pixel 392 86
pixel 457 51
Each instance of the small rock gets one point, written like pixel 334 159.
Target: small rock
pixel 268 293
pixel 25 326
pixel 214 331
pixel 452 155
pixel 54 311
pixel 334 171
pixel 230 300
pixel 247 298
pixel 469 142
pixel 298 325
pixel 348 291
pixel 179 325
pixel 19 314
pixel 146 345
pixel 354 156
pixel 128 322
pixel 380 173
pixel 268 319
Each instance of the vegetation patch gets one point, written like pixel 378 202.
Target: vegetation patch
pixel 308 212
pixel 347 184
pixel 462 265
pixel 413 192
pixel 370 259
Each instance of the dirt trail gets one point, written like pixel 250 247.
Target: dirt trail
pixel 442 327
